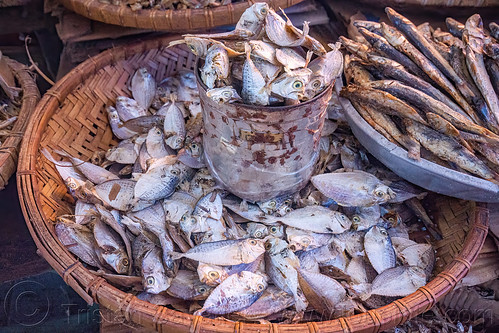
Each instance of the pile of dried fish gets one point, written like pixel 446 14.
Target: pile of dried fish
pixel 10 101
pixel 152 220
pixel 169 4
pixel 263 61
pixel 421 87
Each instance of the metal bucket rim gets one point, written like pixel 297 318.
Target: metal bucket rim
pixel 262 108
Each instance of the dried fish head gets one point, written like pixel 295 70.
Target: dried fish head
pixel 263 50
pixel 276 231
pixel 257 230
pixel 253 18
pixel 187 286
pixel 216 66
pixel 223 95
pixel 291 84
pixel 211 275
pixel 272 205
pixel 154 277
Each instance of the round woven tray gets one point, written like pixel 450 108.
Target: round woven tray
pixel 171 20
pixel 71 116
pixel 9 150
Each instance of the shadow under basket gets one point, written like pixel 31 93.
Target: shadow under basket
pixel 9 149
pixel 71 116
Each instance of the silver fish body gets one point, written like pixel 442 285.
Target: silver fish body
pixel 128 108
pixel 155 279
pixel 399 281
pixel 227 252
pixel 186 285
pixel 281 265
pixel 235 293
pixel 379 249
pixel 353 188
pixel 143 87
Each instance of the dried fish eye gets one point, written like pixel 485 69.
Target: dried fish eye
pixel 297 85
pixel 174 172
pixel 268 246
pixel 158 131
pixel 343 217
pixel 252 242
pixel 72 185
pixel 287 210
pixel 150 280
pixel 263 10
pixel 383 232
pixel 201 290
pixel 258 234
pixel 227 94
pixel 356 219
pixel 125 262
pixel 272 203
pixel 316 84
pixel 273 230
pixel 193 220
pixel 260 287
pixel 287 202
pixel 194 146
pixel 214 274
pixel 380 193
pixel 184 217
pixel 391 219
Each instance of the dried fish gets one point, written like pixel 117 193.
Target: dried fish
pixel 235 293
pixel 379 249
pixel 254 84
pixel 357 188
pixel 399 281
pixel 223 95
pixel 448 149
pixel 143 87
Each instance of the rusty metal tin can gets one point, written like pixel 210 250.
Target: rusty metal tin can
pixel 257 152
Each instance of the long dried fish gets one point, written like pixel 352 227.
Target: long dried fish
pixel 382 46
pixel 396 71
pixel 382 101
pixel 448 149
pixel 395 38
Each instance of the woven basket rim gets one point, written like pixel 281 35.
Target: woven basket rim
pixel 96 289
pixel 9 149
pixel 169 19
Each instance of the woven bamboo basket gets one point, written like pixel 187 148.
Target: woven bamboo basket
pixel 170 20
pixel 9 150
pixel 71 116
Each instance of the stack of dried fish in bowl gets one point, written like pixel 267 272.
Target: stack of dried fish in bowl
pixel 432 92
pixel 163 5
pixel 265 60
pixel 10 101
pixel 152 220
